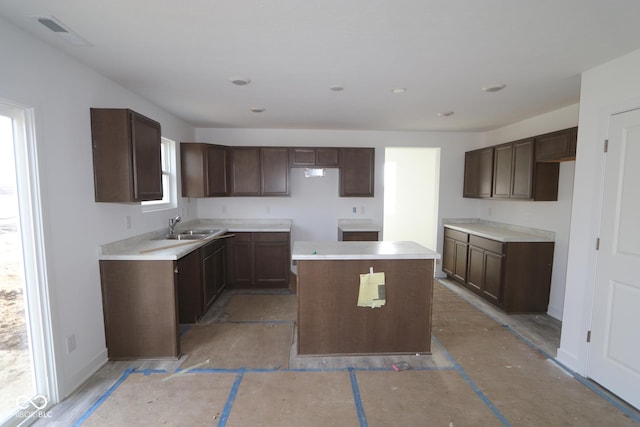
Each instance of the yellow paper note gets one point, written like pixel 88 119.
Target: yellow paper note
pixel 372 290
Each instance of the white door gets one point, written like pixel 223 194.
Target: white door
pixel 614 352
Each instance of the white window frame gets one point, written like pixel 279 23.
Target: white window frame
pixel 169 181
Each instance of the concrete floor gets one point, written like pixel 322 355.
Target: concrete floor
pixel 239 370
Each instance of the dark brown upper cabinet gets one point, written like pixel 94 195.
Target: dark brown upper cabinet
pixel 557 146
pixel 259 171
pixel 478 173
pixel 203 170
pixel 303 157
pixel 127 163
pixel 245 171
pixel 274 171
pixel 357 172
pixel 513 170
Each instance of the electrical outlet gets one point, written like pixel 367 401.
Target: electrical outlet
pixel 71 343
pixel 127 222
pixel 362 210
pixel 354 210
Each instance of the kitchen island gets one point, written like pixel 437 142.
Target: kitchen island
pixel 330 322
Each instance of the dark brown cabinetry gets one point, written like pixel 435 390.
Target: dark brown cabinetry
pixel 357 236
pixel 258 171
pixel 478 173
pixel 357 172
pixel 526 169
pixel 201 279
pixel 190 295
pixel 484 274
pixel 314 157
pixel 274 171
pixel 261 259
pixel 454 258
pixel 214 266
pixel 140 309
pixel 514 276
pixel 513 170
pixel 127 162
pixel 203 170
pixel 557 146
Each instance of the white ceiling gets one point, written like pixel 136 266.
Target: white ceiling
pixel 181 55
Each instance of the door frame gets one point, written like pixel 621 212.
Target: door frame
pixel 33 247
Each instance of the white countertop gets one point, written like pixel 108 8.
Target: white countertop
pixel 151 246
pixel 358 225
pixel 305 250
pixel 503 232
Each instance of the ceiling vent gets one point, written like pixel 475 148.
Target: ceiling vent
pixel 62 31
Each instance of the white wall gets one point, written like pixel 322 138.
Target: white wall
pixel 551 216
pixel 411 206
pixel 607 89
pixel 314 205
pixel 61 91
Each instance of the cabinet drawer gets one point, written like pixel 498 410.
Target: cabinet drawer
pixel 456 235
pixel 271 237
pixel 487 244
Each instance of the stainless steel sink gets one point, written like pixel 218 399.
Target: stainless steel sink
pixel 181 236
pixel 196 231
pixel 196 234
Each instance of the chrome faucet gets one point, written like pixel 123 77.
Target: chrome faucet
pixel 172 223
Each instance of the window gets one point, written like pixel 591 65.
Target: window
pixel 169 192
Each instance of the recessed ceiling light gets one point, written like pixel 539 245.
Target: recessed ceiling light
pixel 494 88
pixel 399 90
pixel 258 109
pixel 445 114
pixel 336 88
pixel 239 81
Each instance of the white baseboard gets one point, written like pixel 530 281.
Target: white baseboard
pixel 80 377
pixel 555 312
pixel 570 361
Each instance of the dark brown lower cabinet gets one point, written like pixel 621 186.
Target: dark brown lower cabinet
pixel 190 296
pixel 357 236
pixel 484 274
pixel 140 307
pixel 454 258
pixel 259 259
pixel 514 276
pixel 214 266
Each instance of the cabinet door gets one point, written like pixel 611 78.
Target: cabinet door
pixel 272 259
pixel 216 168
pixel 127 160
pixel 327 157
pixel 359 236
pixel 460 271
pixel 245 172
pixel 303 157
pixel 147 161
pixel 557 146
pixel 522 180
pixel 213 271
pixel 274 166
pixel 475 276
pixel 240 260
pixel 190 302
pixel 449 255
pixel 357 172
pixel 502 161
pixel 478 173
pixel 492 278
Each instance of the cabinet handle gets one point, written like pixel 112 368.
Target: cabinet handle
pixel 175 270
